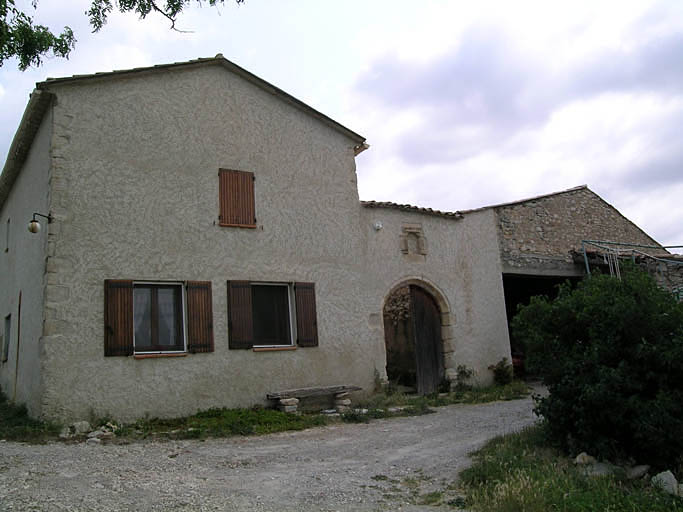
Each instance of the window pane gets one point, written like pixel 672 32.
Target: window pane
pixel 142 315
pixel 169 306
pixel 271 315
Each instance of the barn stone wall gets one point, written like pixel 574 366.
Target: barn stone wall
pixel 536 236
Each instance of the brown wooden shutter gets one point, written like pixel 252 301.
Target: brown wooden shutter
pixel 236 198
pixel 199 317
pixel 306 322
pixel 118 317
pixel 240 321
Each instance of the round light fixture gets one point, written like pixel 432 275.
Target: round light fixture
pixel 34 226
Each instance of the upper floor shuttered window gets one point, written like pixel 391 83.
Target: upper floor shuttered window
pixel 236 199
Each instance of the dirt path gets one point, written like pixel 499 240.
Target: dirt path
pixel 384 465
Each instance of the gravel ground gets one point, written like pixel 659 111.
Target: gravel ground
pixel 383 465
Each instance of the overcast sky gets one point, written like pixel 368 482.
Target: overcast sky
pixel 464 104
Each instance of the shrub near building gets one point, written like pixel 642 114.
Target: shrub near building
pixel 610 352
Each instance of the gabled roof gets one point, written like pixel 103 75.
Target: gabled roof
pixel 41 97
pixel 21 144
pixel 530 199
pixel 410 208
pixel 218 60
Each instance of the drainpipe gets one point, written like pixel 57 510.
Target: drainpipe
pixel 16 363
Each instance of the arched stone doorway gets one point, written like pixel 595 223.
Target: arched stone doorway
pixel 413 338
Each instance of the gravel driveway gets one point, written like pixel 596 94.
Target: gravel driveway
pixel 384 465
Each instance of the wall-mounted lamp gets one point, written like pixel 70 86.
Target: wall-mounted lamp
pixel 377 225
pixel 34 225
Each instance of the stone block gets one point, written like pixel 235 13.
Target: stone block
pixel 288 401
pixel 343 408
pixel 345 401
pixel 288 408
pixel 341 395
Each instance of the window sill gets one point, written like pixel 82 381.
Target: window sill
pixel 248 226
pixel 272 349
pixel 152 356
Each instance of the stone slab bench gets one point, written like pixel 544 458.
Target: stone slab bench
pixel 288 400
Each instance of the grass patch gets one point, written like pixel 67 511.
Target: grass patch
pixel 420 404
pixel 522 472
pixel 431 498
pixel 221 423
pixel 15 424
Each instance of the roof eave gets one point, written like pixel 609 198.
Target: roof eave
pixel 231 66
pixel 23 139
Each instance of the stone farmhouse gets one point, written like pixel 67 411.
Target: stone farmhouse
pixel 202 243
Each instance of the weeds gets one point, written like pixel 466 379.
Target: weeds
pixel 15 424
pixel 221 423
pixel 521 472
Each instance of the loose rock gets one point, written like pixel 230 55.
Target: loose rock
pixel 584 458
pixel 666 481
pixel 81 427
pixel 637 471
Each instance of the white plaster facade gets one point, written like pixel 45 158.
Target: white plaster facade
pixel 127 165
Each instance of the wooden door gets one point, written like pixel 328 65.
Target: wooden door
pixel 426 320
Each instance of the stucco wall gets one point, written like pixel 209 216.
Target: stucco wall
pixel 136 164
pixel 536 236
pixel 22 271
pixel 461 268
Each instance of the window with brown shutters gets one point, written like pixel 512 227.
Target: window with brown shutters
pixel 199 317
pixel 267 314
pixel 236 198
pixel 306 320
pixel 148 317
pixel 118 317
pixel 240 323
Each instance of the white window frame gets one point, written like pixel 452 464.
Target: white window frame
pixel 183 306
pixel 291 308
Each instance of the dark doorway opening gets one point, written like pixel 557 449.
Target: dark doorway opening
pixel 518 291
pixel 412 330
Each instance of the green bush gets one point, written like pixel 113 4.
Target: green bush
pixel 502 372
pixel 611 354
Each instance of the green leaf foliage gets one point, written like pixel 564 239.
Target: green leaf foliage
pixel 30 43
pixel 611 354
pixel 20 38
pixel 100 9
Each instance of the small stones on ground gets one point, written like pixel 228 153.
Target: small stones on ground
pixel 666 481
pixel 65 433
pixel 93 440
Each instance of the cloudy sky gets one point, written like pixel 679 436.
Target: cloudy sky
pixel 464 104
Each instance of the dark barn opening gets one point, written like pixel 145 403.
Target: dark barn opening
pixel 518 291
